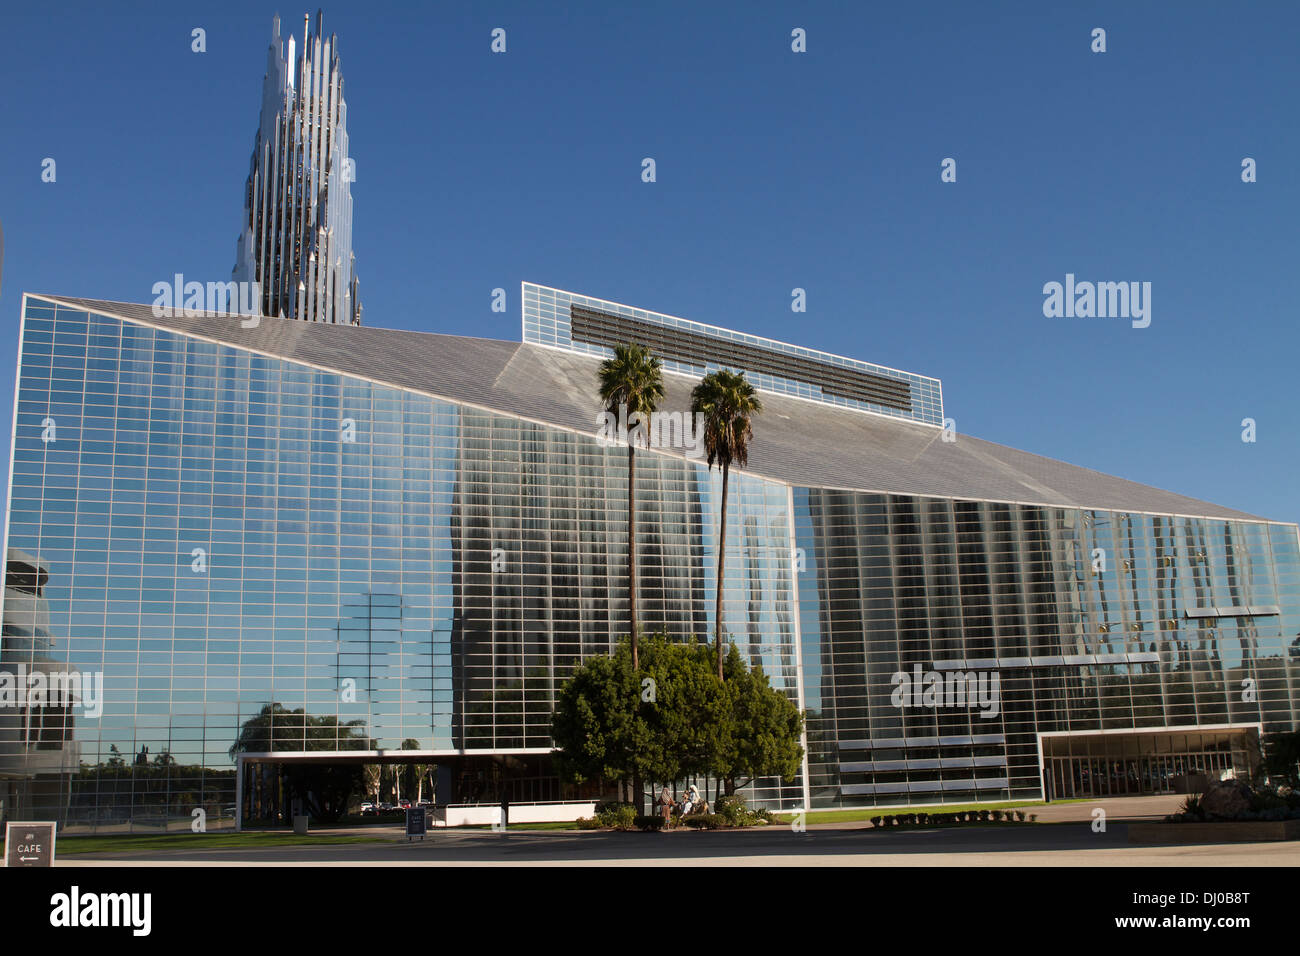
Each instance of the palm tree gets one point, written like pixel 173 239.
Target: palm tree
pixel 729 403
pixel 631 382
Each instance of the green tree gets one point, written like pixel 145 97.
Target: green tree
pixel 673 719
pixel 728 403
pixel 764 730
pixel 683 707
pixel 596 725
pixel 631 382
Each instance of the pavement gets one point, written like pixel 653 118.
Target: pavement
pixel 1071 841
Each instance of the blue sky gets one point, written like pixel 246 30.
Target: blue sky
pixel 775 170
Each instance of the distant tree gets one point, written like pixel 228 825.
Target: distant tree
pixel 411 773
pixel 728 403
pixel 275 727
pixel 372 776
pixel 324 788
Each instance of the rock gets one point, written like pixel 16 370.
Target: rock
pixel 1227 798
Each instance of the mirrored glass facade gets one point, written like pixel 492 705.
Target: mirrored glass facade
pixel 255 553
pixel 1089 619
pixel 222 531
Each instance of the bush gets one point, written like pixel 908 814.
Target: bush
pixel 732 808
pixel 875 821
pixel 1263 803
pixel 649 824
pixel 588 823
pixel 613 815
pixel 705 821
pixel 736 813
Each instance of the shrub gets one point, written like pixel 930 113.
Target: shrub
pixel 1263 803
pixel 616 816
pixel 875 821
pixel 996 815
pixel 705 821
pixel 1020 816
pixel 649 824
pixel 733 810
pixel 588 823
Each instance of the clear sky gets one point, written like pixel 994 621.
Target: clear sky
pixel 775 170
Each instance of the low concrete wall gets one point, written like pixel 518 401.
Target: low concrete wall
pixel 1250 831
pixel 467 815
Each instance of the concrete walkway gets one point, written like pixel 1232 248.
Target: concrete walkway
pixel 1145 809
pixel 1072 844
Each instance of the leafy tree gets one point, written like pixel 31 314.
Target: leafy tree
pixel 673 719
pixel 729 403
pixel 683 708
pixel 596 724
pixel 633 381
pixel 764 728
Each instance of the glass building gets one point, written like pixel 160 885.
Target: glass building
pixel 327 541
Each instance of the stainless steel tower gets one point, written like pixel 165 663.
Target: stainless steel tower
pixel 296 241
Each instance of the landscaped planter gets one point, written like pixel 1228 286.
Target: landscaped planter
pixel 1249 831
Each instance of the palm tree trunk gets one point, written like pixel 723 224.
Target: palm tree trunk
pixel 631 547
pixel 722 566
pixel 637 786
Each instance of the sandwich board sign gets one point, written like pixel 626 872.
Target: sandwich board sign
pixel 29 844
pixel 415 822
